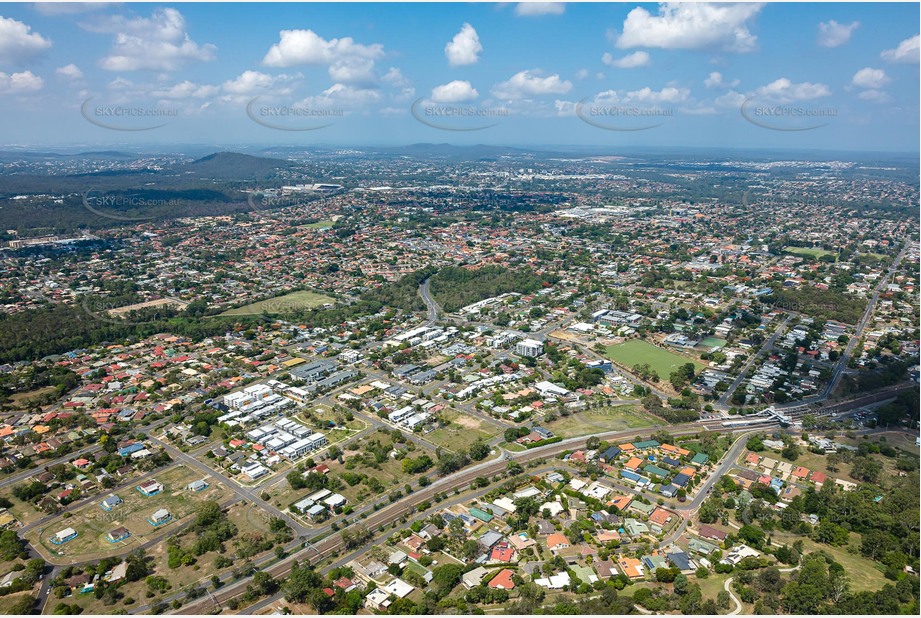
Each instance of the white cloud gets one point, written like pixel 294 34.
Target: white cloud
pixel 833 34
pixel 877 96
pixel 630 61
pixel 186 90
pixel 785 91
pixel 870 78
pixel 907 51
pixel 730 99
pixel 464 48
pixel 668 94
pixel 715 80
pixel 305 47
pixel 157 43
pixel 529 9
pixel 353 71
pixel 525 84
pixel 70 71
pixel 349 95
pixel 18 42
pixel 394 77
pixel 454 92
pixel 20 83
pixel 691 26
pixel 582 73
pixel 255 82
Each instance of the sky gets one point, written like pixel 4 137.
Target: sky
pixel 828 76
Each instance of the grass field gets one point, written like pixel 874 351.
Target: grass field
pixel 814 252
pixel 865 574
pixel 319 225
pixel 602 419
pixel 92 523
pixel 463 431
pixel 302 299
pixel 636 351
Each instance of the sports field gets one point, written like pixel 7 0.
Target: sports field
pixel 808 251
pixel 637 351
pixel 283 304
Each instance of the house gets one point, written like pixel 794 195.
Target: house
pixel 159 517
pixel 700 459
pixel 620 502
pixel 398 588
pixel 150 488
pixel 660 516
pixel 118 573
pixel 67 534
pixel 585 574
pixel 680 560
pixel 199 485
pixel 633 464
pixel 610 454
pixel 605 568
pixel 503 580
pixel 701 547
pixel 472 579
pixel 377 600
pixel 118 534
pixel 709 532
pixel 557 541
pixel 739 553
pixel 554 582
pixel 110 502
pixel 631 567
pixel 502 552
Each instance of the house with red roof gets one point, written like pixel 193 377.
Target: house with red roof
pixel 503 580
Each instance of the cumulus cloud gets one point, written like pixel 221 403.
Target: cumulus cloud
pixel 526 84
pixel 630 61
pixel 156 43
pixel 256 82
pixel 186 90
pixel 18 42
pixel 20 83
pixel 876 96
pixel 870 78
pixel 530 9
pixel 464 48
pixel 348 62
pixel 691 26
pixel 785 91
pixel 715 80
pixel 907 51
pixel 454 92
pixel 833 34
pixel 668 94
pixel 70 71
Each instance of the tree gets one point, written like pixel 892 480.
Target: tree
pixel 478 450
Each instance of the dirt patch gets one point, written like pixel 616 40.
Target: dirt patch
pixel 467 422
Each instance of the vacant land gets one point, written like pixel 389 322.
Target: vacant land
pixel 462 431
pixel 92 523
pixel 864 573
pixel 638 352
pixel 283 304
pixel 814 252
pixel 589 422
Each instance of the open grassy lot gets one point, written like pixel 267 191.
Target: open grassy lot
pixel 462 431
pixel 590 422
pixel 92 522
pixel 711 586
pixel 636 351
pixel 23 511
pixel 865 574
pixel 808 251
pixel 283 304
pixel 319 225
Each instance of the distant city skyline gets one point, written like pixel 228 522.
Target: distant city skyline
pixel 817 76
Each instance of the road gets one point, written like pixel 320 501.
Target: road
pixel 433 309
pixel 723 402
pixel 320 550
pixel 243 492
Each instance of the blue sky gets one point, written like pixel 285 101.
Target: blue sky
pixel 824 75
